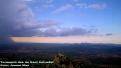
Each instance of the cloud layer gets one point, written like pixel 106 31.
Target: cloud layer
pixel 62 8
pixel 68 6
pixel 92 6
pixel 17 19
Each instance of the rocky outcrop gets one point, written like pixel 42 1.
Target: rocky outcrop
pixel 61 61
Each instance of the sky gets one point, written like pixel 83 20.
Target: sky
pixel 70 21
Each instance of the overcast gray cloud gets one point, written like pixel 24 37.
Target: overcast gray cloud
pixel 17 19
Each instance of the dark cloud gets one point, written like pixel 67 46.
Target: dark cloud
pixel 5 40
pixel 75 31
pixel 49 23
pixel 17 19
pixel 66 32
pixel 109 34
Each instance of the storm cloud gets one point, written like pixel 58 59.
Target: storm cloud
pixel 17 19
